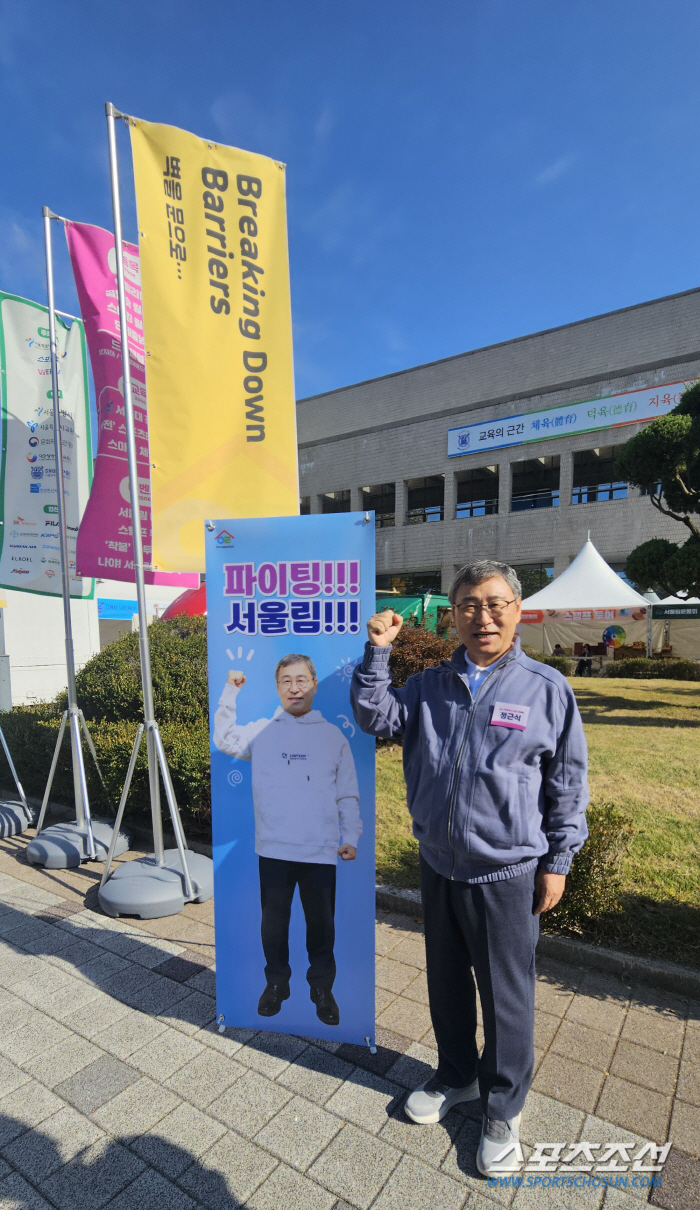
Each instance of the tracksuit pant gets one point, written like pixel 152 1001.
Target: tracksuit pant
pixel 316 883
pixel 483 931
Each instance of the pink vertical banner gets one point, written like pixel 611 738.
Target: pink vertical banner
pixel 105 539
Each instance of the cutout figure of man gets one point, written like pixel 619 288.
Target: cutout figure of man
pixel 306 797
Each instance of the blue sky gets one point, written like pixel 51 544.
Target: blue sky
pixel 459 172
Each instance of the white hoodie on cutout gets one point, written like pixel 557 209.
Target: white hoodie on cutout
pixel 305 791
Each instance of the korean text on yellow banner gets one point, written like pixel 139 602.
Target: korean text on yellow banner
pixel 217 325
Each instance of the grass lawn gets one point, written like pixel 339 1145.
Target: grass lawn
pixel 644 746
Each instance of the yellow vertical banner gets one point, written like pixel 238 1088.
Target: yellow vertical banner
pixel 218 339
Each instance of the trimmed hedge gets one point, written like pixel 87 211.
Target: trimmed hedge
pixel 672 670
pixel 562 663
pixel 109 692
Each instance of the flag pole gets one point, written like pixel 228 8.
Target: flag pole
pixel 73 715
pixel 135 890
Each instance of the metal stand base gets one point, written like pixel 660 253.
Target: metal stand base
pixel 144 888
pixel 15 817
pixel 65 845
pixel 92 846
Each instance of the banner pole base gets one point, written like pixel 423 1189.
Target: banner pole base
pixel 15 817
pixel 163 882
pixel 68 844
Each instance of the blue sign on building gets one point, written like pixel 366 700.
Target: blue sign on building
pixel 116 609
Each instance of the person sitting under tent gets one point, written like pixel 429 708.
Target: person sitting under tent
pixel 585 662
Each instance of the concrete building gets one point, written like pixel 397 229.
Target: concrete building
pixel 529 473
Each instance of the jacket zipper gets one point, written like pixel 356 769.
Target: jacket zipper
pixel 458 766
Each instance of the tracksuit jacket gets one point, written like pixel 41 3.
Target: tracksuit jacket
pixel 305 792
pixel 496 784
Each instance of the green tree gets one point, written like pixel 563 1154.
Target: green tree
pixel 666 567
pixel 532 580
pixel 664 461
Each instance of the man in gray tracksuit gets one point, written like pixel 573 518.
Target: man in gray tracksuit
pixel 305 795
pixel 496 773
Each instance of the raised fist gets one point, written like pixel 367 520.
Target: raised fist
pixel 236 678
pixel 383 628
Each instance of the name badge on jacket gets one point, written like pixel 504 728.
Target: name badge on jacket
pixel 505 714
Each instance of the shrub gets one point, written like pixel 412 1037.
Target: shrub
pixel 561 662
pixel 414 649
pixel 674 670
pixel 109 686
pixel 593 886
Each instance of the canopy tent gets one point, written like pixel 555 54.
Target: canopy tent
pixel 682 634
pixel 587 603
pixel 588 583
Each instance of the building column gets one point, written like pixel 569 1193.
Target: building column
pixel 566 478
pixel 400 502
pixel 315 502
pixel 505 486
pixel 355 499
pixel 450 496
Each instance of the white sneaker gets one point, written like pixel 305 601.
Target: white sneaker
pixel 499 1147
pixel 433 1100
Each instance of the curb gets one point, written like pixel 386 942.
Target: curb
pixel 684 980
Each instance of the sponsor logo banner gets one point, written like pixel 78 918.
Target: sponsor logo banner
pixel 28 457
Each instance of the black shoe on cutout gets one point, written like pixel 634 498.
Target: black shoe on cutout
pixel 327 1010
pixel 270 1002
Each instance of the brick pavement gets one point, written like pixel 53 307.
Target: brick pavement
pixel 93 1114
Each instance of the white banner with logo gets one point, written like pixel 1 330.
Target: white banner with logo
pixel 30 558
pixel 632 407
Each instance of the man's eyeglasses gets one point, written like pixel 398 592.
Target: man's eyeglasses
pixel 495 609
pixel 297 682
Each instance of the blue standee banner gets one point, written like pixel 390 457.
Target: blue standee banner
pixel 288 599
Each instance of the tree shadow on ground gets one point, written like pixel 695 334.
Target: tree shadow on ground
pixel 593 716
pixel 108 1171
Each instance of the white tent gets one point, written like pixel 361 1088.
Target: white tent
pixel 587 603
pixel 683 634
pixel 588 583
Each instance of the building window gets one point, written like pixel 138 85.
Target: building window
pixel 305 506
pixel 335 502
pixel 594 477
pixel 477 492
pixel 382 498
pixel 535 484
pixel 406 583
pixel 534 576
pixel 426 499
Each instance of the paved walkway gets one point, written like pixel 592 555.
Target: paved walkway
pixel 93 1114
